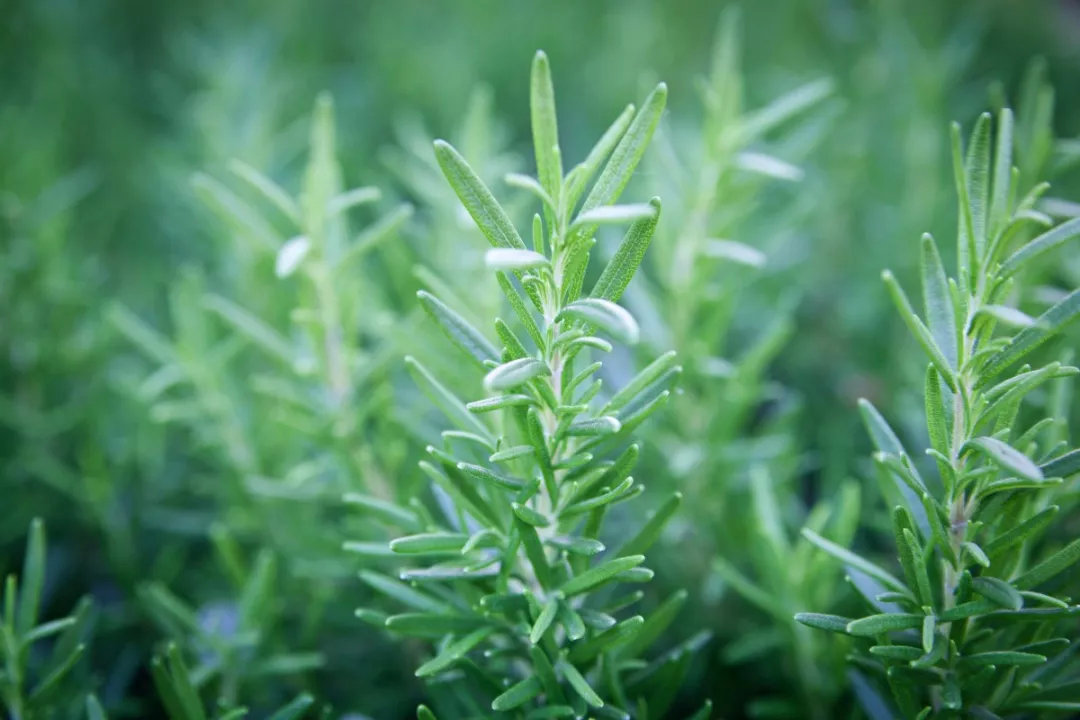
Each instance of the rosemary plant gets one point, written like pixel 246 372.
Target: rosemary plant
pixel 38 659
pixel 512 562
pixel 979 623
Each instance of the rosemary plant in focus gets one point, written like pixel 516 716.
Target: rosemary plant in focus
pixel 512 564
pixel 978 623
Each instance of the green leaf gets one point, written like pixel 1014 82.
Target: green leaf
pixel 977 169
pixel 544 620
pixel 641 382
pixel 606 641
pixel 583 173
pixel 1006 457
pixel 445 400
pixel 373 236
pixel 1048 568
pixel 1062 466
pixel 1000 189
pixel 173 683
pixel 1001 657
pixel 544 125
pixel 518 694
pixel 295 709
pixel 528 515
pixel 458 329
pixel 423 713
pixel 251 327
pixel 653 527
pixel 435 542
pixel 918 329
pixel 822 621
pixel 526 182
pixel 514 259
pixel 490 476
pixel 998 591
pixel 600 574
pixel 33 578
pixel 402 593
pixel 605 315
pixel 1040 245
pixel 624 263
pixel 454 652
pixel 929 625
pixel 477 199
pixel 784 108
pixel 1008 315
pixel 579 683
pixel 849 558
pixel 879 624
pixel 1046 326
pixel 577 545
pixel 94 711
pixel 937 300
pixel 655 625
pixel 534 550
pixel 590 427
pixel 616 174
pixel 387 511
pixel 1020 533
pixel 499 402
pixel 617 215
pixel 267 188
pixel 514 373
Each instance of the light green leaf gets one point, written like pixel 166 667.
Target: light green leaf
pixel 33 579
pixel 937 300
pixel 617 215
pixel 517 694
pixel 600 574
pixel 624 263
pixel 653 527
pixel 544 620
pixel 454 652
pixel 514 259
pixel 1042 244
pixel 544 125
pixel 918 329
pixel 849 558
pixel 605 315
pixel 1046 326
pixel 267 188
pixel 1048 568
pixel 998 591
pixel 579 683
pixel 888 622
pixel 515 373
pixel 489 216
pixel 458 329
pixel 434 542
pixel 616 174
pixel 1006 457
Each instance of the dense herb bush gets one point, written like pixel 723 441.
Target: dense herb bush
pixel 979 621
pixel 508 556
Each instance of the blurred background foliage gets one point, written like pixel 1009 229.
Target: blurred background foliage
pixel 214 522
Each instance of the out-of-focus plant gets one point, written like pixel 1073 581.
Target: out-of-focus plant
pixel 730 439
pixel 38 659
pixel 285 387
pixel 507 556
pixel 980 620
